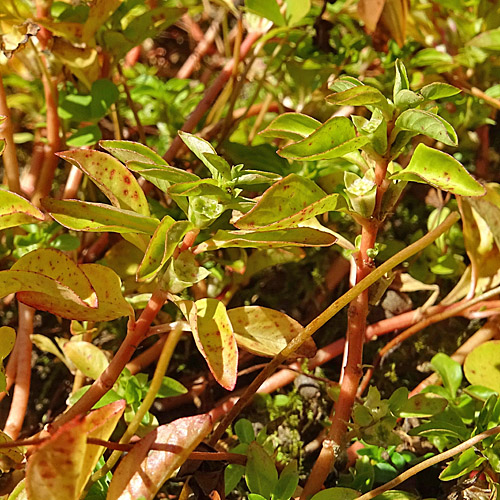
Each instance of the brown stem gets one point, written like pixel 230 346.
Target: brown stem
pixel 11 166
pixel 30 177
pixel 211 94
pixel 72 183
pixel 21 394
pixel 136 334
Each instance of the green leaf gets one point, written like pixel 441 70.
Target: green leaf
pixel 16 210
pixel 489 40
pixel 261 474
pixel 96 217
pixel 336 494
pixel 287 203
pixel 481 365
pixel 287 483
pixel 333 139
pixel 87 357
pixel 295 236
pixel 294 126
pixel 183 272
pixel 85 136
pixel 449 370
pixel 296 10
pixel 422 405
pixel 232 476
pixel 401 81
pixel 464 463
pixel 364 95
pixel 266 8
pixel 431 57
pixel 214 337
pixel 407 99
pixel 438 90
pixel 112 178
pixel 162 246
pixel 441 170
pixel 126 151
pixel 396 495
pixel 429 124
pixel 104 93
pixel 244 430
pixel 7 341
pixel 170 388
pixel 266 332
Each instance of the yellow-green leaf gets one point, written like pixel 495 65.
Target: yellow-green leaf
pixel 15 210
pixel 7 341
pixel 87 357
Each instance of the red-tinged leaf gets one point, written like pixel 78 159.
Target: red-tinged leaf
pixel 214 337
pixel 142 472
pixel 112 178
pixel 15 210
pixel 100 424
pixel 97 217
pixel 161 247
pixel 54 264
pixel 107 285
pixel 266 332
pixel 60 467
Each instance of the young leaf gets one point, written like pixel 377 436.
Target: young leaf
pixel 142 472
pixel 441 170
pixel 461 465
pixel 161 247
pixel 295 236
pixel 358 96
pixel 16 210
pixel 59 468
pixel 333 139
pixel 287 203
pixel 266 332
pixel 429 124
pixel 401 81
pixel 183 272
pixel 112 178
pixel 438 90
pixel 294 126
pixel 449 370
pixel 126 151
pixel 260 474
pixel 87 357
pixel 96 217
pixel 407 99
pixel 214 337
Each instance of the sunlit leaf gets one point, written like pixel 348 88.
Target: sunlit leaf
pixel 296 10
pixel 487 40
pixel 294 126
pixel 461 465
pixel 449 370
pixel 7 341
pixel 333 139
pixel 112 178
pixel 183 272
pixel 295 236
pixel 429 124
pixel 336 494
pixel 97 217
pixel 87 357
pixel 268 9
pixel 481 365
pixel 126 151
pixel 266 332
pixel 428 165
pixel 161 247
pixel 288 203
pixel 358 96
pixel 16 210
pixel 142 472
pixel 438 90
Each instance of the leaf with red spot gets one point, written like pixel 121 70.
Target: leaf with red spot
pixel 333 139
pixel 59 468
pixel 50 281
pixel 142 472
pixel 162 246
pixel 267 332
pixel 112 177
pixel 15 210
pixel 127 151
pixel 96 217
pixel 288 203
pixel 214 337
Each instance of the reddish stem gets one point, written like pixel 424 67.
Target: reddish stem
pixel 21 394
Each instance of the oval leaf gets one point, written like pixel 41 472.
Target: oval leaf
pixel 142 472
pixel 294 126
pixel 15 210
pixel 422 405
pixel 266 332
pixel 112 178
pixel 428 165
pixel 481 365
pixel 429 124
pixel 438 90
pixel 260 474
pixel 358 96
pixel 334 138
pixel 464 463
pixel 99 218
pixel 87 357
pixel 127 151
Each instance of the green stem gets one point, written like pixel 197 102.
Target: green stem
pixel 329 313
